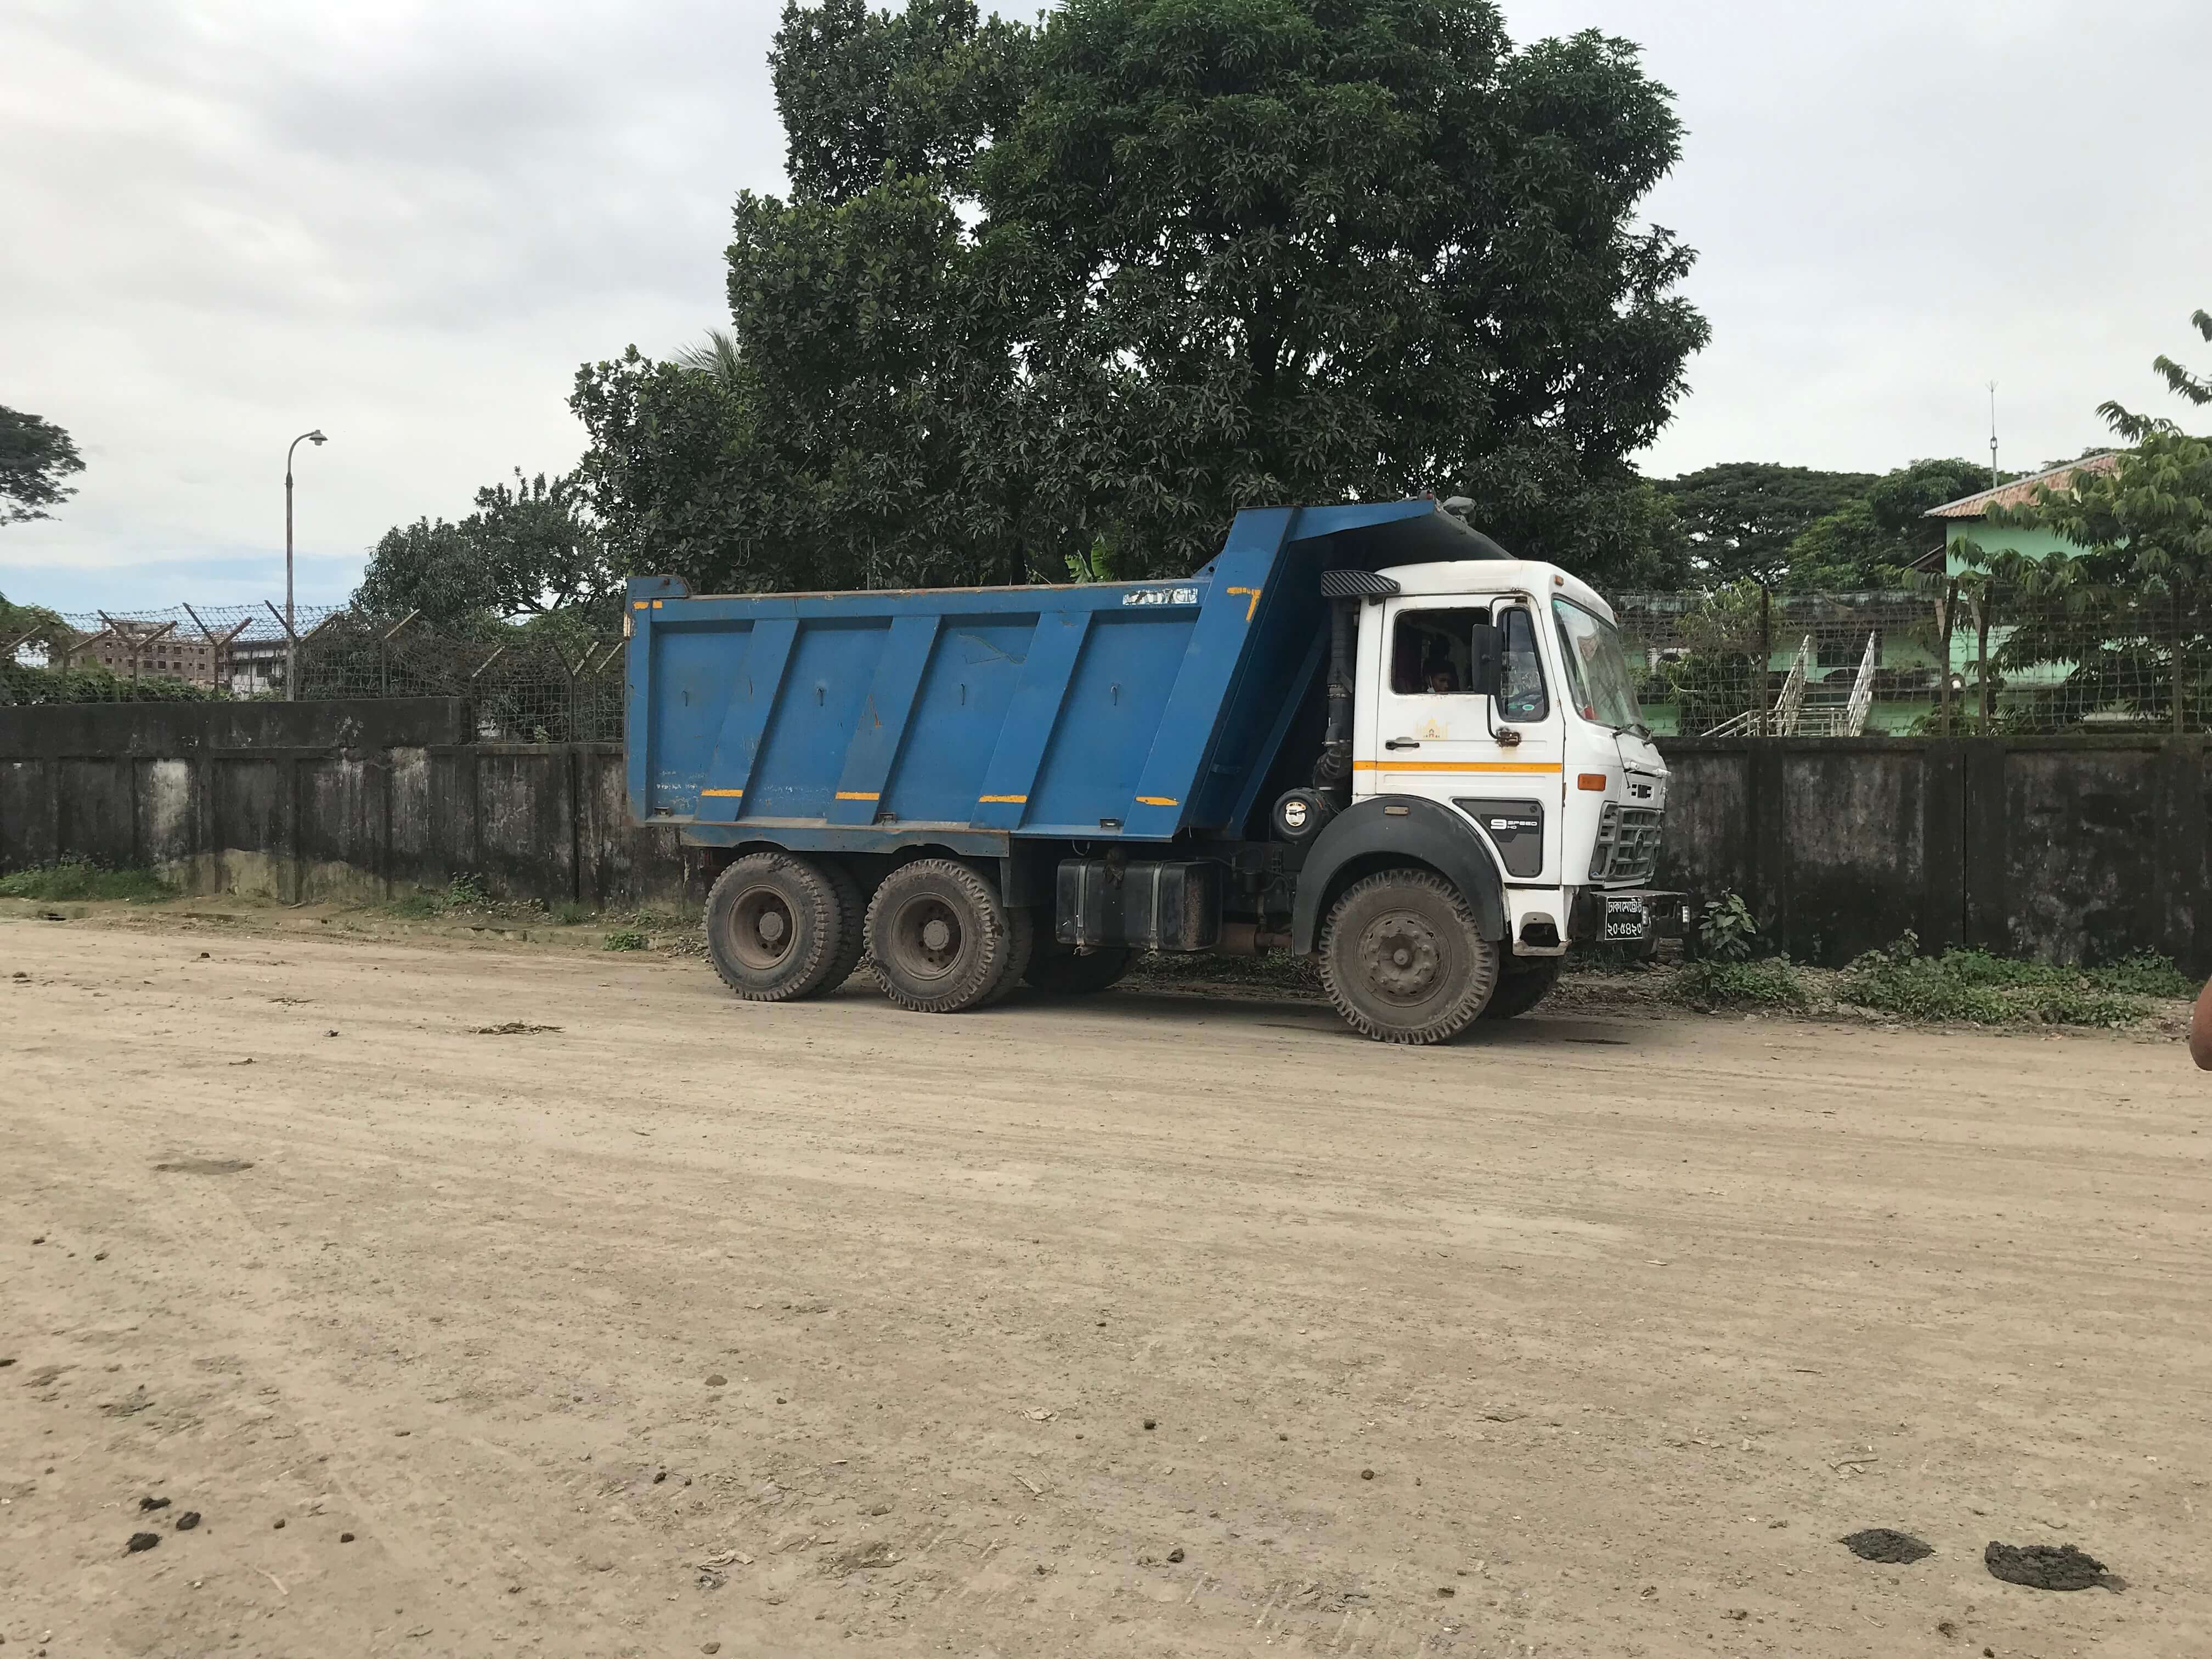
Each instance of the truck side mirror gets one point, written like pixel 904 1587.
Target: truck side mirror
pixel 1484 660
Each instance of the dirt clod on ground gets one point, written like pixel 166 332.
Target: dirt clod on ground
pixel 2043 1566
pixel 205 1165
pixel 142 1540
pixel 1886 1544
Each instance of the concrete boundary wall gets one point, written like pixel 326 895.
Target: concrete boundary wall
pixel 305 802
pixel 2068 849
pixel 2078 850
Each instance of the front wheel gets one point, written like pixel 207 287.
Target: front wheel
pixel 1403 960
pixel 1528 984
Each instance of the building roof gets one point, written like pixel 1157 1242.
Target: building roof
pixel 2020 491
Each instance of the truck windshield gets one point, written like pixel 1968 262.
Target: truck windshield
pixel 1597 668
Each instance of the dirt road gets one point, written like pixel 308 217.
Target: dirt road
pixel 1146 1325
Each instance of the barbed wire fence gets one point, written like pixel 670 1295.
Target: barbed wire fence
pixel 1959 659
pixel 523 684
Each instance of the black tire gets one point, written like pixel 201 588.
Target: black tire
pixel 939 938
pixel 1021 922
pixel 1527 984
pixel 1058 970
pixel 1403 960
pixel 776 927
pixel 853 911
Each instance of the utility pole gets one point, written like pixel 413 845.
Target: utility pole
pixel 1993 435
pixel 291 639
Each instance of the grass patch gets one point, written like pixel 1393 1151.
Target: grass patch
pixel 628 938
pixel 1977 988
pixel 571 913
pixel 461 893
pixel 1773 983
pixel 75 878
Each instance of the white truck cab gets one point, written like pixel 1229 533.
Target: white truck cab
pixel 1500 688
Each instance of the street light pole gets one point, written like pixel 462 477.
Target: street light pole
pixel 291 637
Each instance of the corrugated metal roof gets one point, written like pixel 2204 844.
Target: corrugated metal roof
pixel 2020 491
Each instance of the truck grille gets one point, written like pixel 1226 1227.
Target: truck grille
pixel 1627 844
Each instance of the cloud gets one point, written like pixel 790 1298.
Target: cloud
pixel 407 223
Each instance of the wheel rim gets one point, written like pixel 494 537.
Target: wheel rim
pixel 1401 957
pixel 761 928
pixel 927 936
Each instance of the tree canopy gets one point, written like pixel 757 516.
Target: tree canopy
pixel 1082 290
pixel 1742 517
pixel 35 456
pixel 530 548
pixel 1868 541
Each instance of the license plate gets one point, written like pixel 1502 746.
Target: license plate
pixel 1626 920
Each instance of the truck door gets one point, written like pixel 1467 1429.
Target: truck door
pixel 1498 759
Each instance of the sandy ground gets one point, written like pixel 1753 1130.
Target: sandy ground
pixel 1142 1326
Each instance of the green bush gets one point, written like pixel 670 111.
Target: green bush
pixel 628 938
pixel 76 878
pixel 570 914
pixel 1773 983
pixel 2146 975
pixel 94 682
pixel 1981 989
pixel 1728 932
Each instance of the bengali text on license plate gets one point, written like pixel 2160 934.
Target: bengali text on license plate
pixel 1626 918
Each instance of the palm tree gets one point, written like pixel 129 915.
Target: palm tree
pixel 716 355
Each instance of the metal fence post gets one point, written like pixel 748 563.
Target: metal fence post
pixel 1765 657
pixel 1982 651
pixel 1943 678
pixel 2180 722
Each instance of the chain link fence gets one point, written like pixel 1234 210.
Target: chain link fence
pixel 1958 660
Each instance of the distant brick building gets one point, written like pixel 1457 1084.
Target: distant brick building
pixel 132 649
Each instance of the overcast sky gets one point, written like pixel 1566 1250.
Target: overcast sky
pixel 407 223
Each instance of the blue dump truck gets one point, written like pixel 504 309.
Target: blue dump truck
pixel 1363 733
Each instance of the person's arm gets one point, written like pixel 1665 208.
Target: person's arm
pixel 2200 1029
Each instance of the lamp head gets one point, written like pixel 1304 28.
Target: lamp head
pixel 317 439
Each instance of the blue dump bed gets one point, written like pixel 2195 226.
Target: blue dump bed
pixel 1130 710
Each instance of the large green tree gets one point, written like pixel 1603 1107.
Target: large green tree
pixel 1296 250
pixel 35 456
pixel 531 549
pixel 1871 540
pixel 1036 296
pixel 1742 516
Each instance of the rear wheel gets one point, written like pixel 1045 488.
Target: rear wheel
pixel 1021 924
pixel 1528 983
pixel 1058 970
pixel 940 939
pixel 853 926
pixel 777 927
pixel 1402 958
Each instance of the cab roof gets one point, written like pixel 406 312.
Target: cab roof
pixel 1497 576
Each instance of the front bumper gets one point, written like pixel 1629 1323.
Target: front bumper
pixel 1626 916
